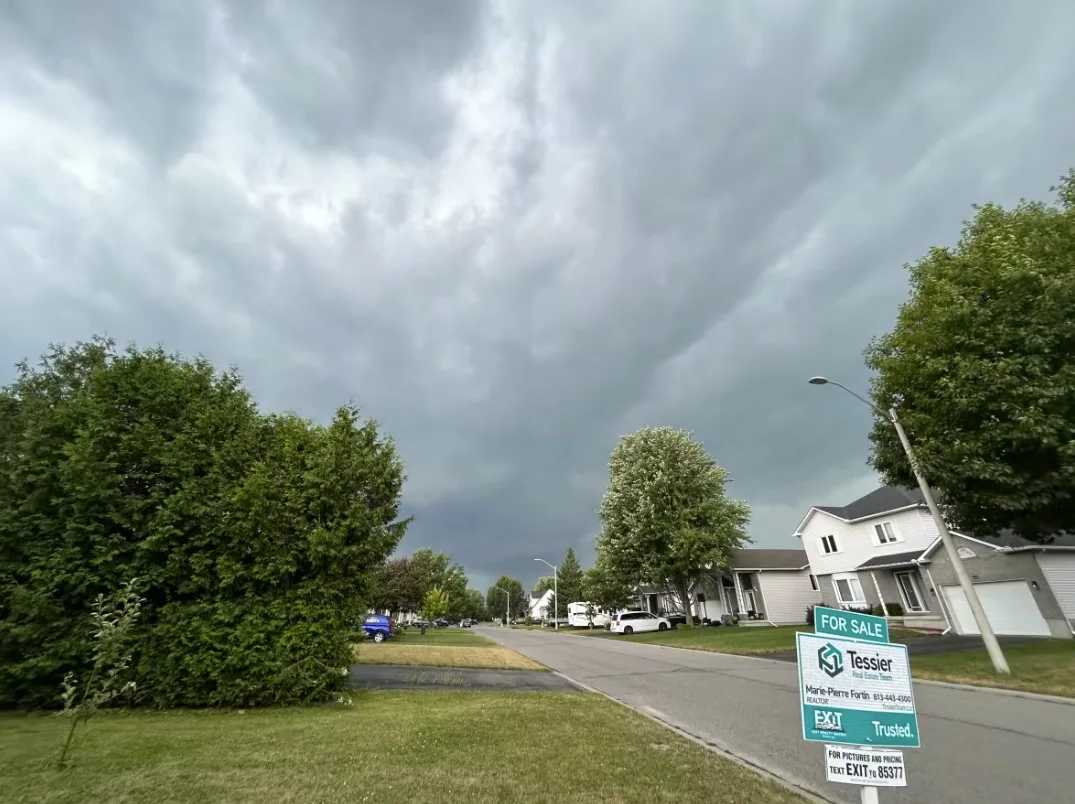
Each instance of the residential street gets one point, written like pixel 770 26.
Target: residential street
pixel 977 747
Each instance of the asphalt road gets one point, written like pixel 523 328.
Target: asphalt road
pixel 977 747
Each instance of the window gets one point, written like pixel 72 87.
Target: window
pixel 848 589
pixel 912 601
pixel 813 582
pixel 886 534
pixel 828 544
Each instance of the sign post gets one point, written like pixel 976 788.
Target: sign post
pixel 856 696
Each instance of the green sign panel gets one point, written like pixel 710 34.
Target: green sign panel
pixel 850 625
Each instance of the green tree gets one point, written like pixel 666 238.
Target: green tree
pixel 400 586
pixel 604 588
pixel 475 605
pixel 570 583
pixel 981 368
pixel 518 599
pixel 435 604
pixel 256 538
pixel 439 570
pixel 112 624
pixel 665 517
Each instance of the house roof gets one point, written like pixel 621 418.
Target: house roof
pixel 1007 541
pixel 892 560
pixel 878 501
pixel 535 595
pixel 763 559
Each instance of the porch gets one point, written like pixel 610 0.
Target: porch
pixel 898 587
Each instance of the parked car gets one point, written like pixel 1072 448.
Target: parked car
pixel 441 623
pixel 420 622
pixel 377 627
pixel 681 619
pixel 466 623
pixel 636 622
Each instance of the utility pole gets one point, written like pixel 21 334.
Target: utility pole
pixel 992 646
pixel 507 605
pixel 555 593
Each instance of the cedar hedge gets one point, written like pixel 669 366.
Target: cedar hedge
pixel 255 537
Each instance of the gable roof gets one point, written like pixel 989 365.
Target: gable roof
pixel 894 560
pixel 763 559
pixel 1008 542
pixel 878 501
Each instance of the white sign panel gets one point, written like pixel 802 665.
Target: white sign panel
pixel 874 767
pixel 856 693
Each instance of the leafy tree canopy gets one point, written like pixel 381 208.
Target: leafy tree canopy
pixel 475 605
pixel 665 517
pixel 606 589
pixel 570 582
pixel 981 368
pixel 435 604
pixel 440 570
pixel 518 599
pixel 255 538
pixel 400 586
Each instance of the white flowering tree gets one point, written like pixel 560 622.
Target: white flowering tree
pixel 665 517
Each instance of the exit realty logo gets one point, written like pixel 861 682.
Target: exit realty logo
pixel 830 659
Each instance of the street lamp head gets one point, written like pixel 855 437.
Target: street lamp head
pixel 818 381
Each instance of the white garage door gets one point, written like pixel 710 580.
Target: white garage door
pixel 1009 605
pixel 1059 571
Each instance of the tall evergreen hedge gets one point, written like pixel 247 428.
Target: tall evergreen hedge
pixel 255 537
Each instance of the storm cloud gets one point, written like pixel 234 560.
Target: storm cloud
pixel 513 232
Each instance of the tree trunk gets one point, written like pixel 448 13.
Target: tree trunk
pixel 682 587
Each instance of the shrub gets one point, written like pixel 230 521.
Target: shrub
pixel 894 610
pixel 112 621
pixel 255 537
pixel 810 614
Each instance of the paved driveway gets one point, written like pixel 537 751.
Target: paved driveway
pixel 977 747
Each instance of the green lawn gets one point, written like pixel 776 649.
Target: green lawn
pixel 1046 667
pixel 439 636
pixel 387 747
pixel 736 639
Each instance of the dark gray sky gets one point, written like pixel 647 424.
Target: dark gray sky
pixel 513 232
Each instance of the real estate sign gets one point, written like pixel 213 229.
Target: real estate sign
pixel 870 767
pixel 850 625
pixel 853 691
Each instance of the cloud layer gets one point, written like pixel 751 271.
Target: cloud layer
pixel 513 232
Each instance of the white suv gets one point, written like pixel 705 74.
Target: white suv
pixel 632 622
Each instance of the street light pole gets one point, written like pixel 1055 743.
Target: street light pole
pixel 555 593
pixel 992 646
pixel 507 605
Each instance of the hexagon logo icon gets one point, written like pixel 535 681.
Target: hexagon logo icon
pixel 830 660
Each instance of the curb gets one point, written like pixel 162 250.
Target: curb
pixel 1034 696
pixel 793 784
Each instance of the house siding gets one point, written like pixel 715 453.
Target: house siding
pixel 1059 569
pixel 787 595
pixel 713 608
pixel 828 592
pixel 856 540
pixel 997 565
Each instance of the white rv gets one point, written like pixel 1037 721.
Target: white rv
pixel 584 615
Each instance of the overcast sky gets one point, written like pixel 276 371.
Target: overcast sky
pixel 513 232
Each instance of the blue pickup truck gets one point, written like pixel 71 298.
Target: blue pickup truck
pixel 377 627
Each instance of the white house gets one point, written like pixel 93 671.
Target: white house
pixel 883 551
pixel 767 586
pixel 540 604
